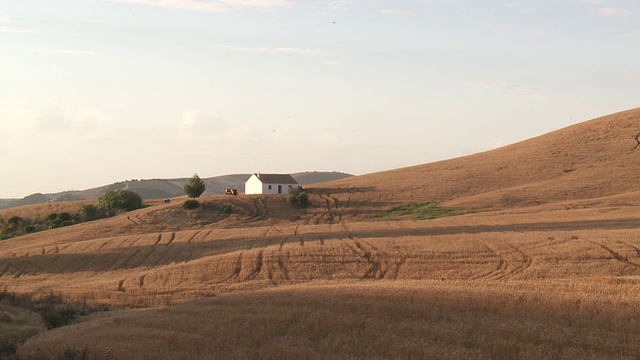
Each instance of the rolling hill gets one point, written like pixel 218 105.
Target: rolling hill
pixel 541 261
pixel 593 159
pixel 164 188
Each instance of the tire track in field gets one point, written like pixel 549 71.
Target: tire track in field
pixel 257 268
pixel 260 209
pixel 134 223
pixel 127 263
pixel 6 268
pixel 499 270
pixel 525 262
pixel 353 248
pixel 193 236
pixel 616 255
pixel 204 238
pixel 400 259
pixel 238 267
pixel 136 240
pixel 20 271
pixel 173 237
pixel 282 266
pixel 143 261
pixel 327 201
pixel 68 264
pixel 511 261
pixel 287 237
pixel 368 253
pixel 137 216
pixel 163 251
pixel 635 248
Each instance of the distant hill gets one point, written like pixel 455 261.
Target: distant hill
pixel 165 188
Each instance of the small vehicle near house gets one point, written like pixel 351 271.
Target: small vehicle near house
pixel 231 191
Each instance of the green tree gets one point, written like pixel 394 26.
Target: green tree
pixel 195 187
pixel 120 200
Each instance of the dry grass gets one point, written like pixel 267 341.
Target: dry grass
pixel 17 324
pixel 371 320
pixel 550 270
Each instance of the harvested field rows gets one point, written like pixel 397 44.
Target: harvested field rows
pixel 208 261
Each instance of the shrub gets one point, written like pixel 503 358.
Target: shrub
pixel 298 198
pixel 226 209
pixel 88 212
pixel 15 222
pixel 191 204
pixel 65 216
pixel 120 200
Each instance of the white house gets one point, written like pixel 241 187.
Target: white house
pixel 269 184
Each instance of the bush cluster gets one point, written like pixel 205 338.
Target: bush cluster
pixel 191 204
pixel 55 220
pixel 15 226
pixel 109 204
pixel 298 198
pixel 121 199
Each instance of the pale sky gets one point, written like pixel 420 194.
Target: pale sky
pixel 98 91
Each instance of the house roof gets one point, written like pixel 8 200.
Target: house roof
pixel 276 178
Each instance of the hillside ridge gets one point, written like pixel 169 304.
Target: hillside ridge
pixel 165 188
pixel 592 159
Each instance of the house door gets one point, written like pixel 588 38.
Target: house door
pixel 279 189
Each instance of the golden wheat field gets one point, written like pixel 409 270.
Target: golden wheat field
pixel 542 260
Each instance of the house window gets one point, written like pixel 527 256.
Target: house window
pixel 269 187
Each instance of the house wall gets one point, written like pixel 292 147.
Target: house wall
pixel 255 186
pixel 274 188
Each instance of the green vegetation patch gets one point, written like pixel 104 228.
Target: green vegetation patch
pixel 420 211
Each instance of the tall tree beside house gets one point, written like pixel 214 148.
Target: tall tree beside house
pixel 195 187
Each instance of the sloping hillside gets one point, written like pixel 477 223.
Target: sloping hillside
pixel 592 159
pixel 165 188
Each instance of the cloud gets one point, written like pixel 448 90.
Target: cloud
pixel 593 1
pixel 332 63
pixel 504 86
pixel 257 3
pixel 281 50
pixel 340 5
pixel 633 34
pixel 64 52
pixel 502 29
pixel 394 12
pixel 609 12
pixel 210 5
pixel 55 119
pixel 518 8
pixel 19 31
pixel 29 124
pixel 5 19
pixel 195 124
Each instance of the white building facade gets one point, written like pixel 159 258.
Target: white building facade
pixel 269 184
